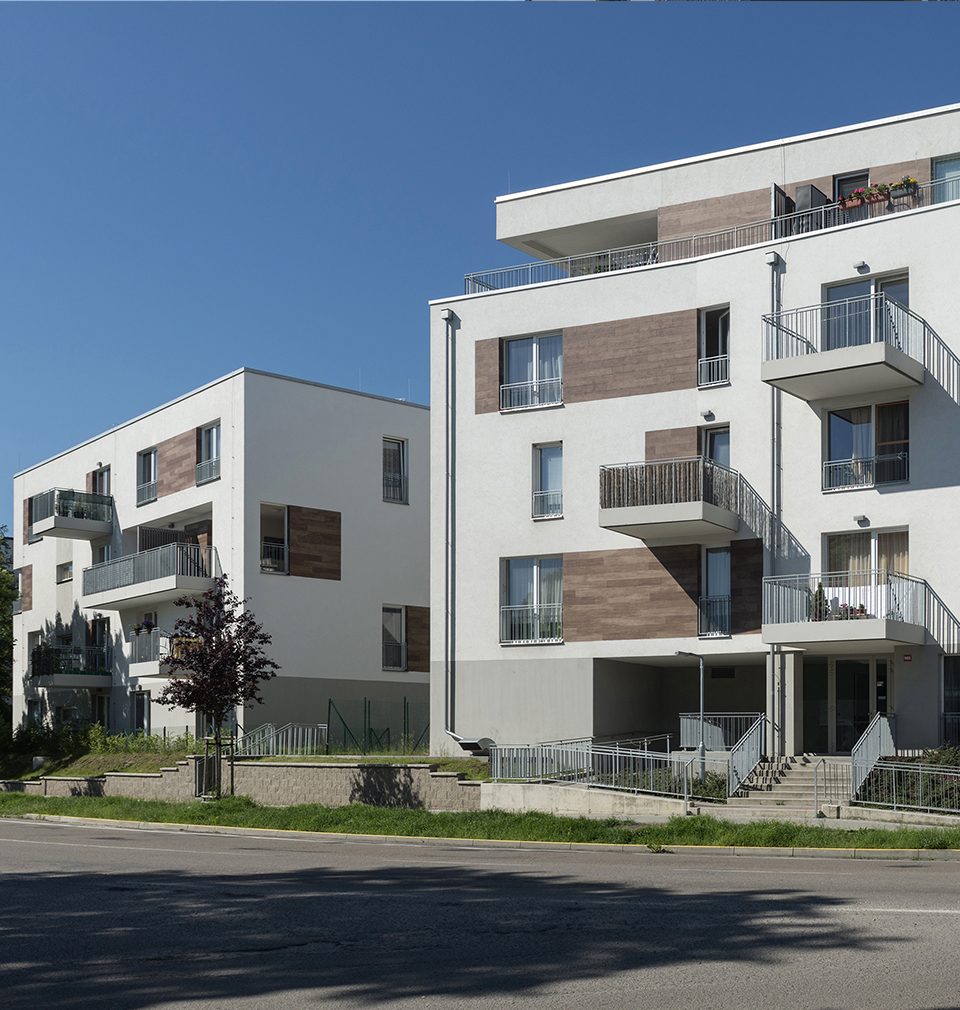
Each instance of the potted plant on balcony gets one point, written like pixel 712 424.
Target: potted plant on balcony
pixel 819 608
pixel 855 199
pixel 148 626
pixel 879 193
pixel 907 186
pixel 137 628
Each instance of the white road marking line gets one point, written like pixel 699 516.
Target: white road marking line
pixel 899 911
pixel 131 848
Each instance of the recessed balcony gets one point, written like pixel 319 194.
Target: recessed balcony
pixel 855 346
pixel 151 650
pixel 68 666
pixel 844 611
pixel 150 577
pixel 76 515
pixel 672 499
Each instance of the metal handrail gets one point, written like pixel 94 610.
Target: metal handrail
pixel 908 785
pixel 890 468
pixel 708 243
pixel 394 655
pixel 273 557
pixel 65 503
pixel 714 617
pixel 844 596
pixel 47 659
pixel 395 487
pixel 876 741
pixel 208 469
pixel 547 505
pixel 746 754
pixel 721 730
pixel 532 393
pixel 531 624
pixel 294 739
pixel 189 560
pixel 146 492
pixel 713 371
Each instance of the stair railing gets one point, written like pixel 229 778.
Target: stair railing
pixel 745 755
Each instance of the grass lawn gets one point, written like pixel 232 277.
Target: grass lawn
pixel 470 768
pixel 88 765
pixel 492 824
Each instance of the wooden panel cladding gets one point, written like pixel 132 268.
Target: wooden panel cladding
pixel 629 357
pixel 177 463
pixel 746 586
pixel 633 593
pixel 672 443
pixel 89 482
pixel 314 543
pixel 418 639
pixel 487 375
pixel 921 169
pixel 712 214
pixel 26 588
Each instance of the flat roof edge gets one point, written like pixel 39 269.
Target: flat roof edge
pixel 729 152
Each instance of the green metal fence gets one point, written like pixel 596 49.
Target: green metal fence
pixel 373 725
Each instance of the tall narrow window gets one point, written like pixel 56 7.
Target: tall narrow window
pixel 395 483
pixel 951 701
pixel 713 367
pixel 208 453
pixel 273 539
pixel 101 481
pixel 946 179
pixel 146 476
pixel 102 553
pixel 532 372
pixel 548 481
pixel 715 604
pixel 532 600
pixel 716 445
pixel 394 639
pixel 141 712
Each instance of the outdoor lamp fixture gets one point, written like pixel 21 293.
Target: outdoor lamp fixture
pixel 861 520
pixel 707 415
pixel 701 751
pixel 862 267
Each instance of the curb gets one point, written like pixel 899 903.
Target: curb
pixel 797 852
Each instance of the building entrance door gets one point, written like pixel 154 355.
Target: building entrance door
pixel 840 696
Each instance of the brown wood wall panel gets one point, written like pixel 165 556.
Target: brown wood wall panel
pixel 824 184
pixel 712 214
pixel 487 375
pixel 672 443
pixel 418 639
pixel 629 357
pixel 177 463
pixel 632 593
pixel 746 586
pixel 921 169
pixel 89 484
pixel 314 537
pixel 26 587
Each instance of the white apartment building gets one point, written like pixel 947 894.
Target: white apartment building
pixel 719 414
pixel 312 499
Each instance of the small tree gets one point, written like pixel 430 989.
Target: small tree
pixel 8 593
pixel 217 660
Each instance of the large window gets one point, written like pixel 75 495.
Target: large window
pixel 146 476
pixel 208 453
pixel 715 603
pixel 869 550
pixel 713 366
pixel 532 372
pixel 101 481
pixel 394 639
pixel 951 701
pixel 531 600
pixel 548 481
pixel 867 311
pixel 946 179
pixel 273 539
pixel 867 446
pixel 395 482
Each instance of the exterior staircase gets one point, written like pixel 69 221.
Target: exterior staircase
pixel 782 788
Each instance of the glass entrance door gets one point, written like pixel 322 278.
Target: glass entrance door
pixel 839 698
pixel 852 687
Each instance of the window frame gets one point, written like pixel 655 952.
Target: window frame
pixel 402 610
pixel 872 463
pixel 537 380
pixel 404 474
pixel 100 478
pixel 717 373
pixel 208 464
pixel 146 498
pixel 535 605
pixel 536 482
pixel 61 580
pixel 284 569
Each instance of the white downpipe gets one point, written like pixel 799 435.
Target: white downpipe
pixel 449 631
pixel 774 741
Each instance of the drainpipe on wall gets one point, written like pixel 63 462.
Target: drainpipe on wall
pixel 449 514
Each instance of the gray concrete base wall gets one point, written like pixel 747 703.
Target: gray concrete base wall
pixel 573 801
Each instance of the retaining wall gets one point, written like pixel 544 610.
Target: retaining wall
pixel 575 801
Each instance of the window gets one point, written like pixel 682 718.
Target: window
pixel 395 470
pixel 100 483
pixel 951 701
pixel 713 367
pixel 531 600
pixel 867 446
pixel 18 588
pixel 102 554
pixel 146 476
pixel 946 179
pixel 101 709
pixel 869 550
pixel 394 639
pixel 548 481
pixel 65 572
pixel 208 453
pixel 715 603
pixel 141 712
pixel 844 185
pixel 532 372
pixel 273 539
pixel 716 445
pixel 863 578
pixel 868 311
pixel 34 713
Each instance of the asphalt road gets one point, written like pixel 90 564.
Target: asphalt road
pixel 113 918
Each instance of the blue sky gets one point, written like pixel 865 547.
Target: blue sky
pixel 187 189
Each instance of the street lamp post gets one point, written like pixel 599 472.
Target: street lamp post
pixel 701 750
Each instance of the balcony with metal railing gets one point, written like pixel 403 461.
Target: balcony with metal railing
pixel 851 474
pixel 207 470
pixel 713 371
pixel 535 393
pixel 820 612
pixel 273 557
pixel 547 505
pixel 714 617
pixel 394 655
pixel 150 650
pixel 708 243
pixel 531 625
pixel 71 666
pixel 149 577
pixel 77 515
pixel 857 345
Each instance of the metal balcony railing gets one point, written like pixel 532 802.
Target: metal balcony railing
pixel 395 487
pixel 950 729
pixel 669 482
pixel 706 243
pixel 714 617
pixel 188 560
pixel 538 393
pixel 149 646
pixel 713 371
pixel 891 468
pixel 547 504
pixel 844 596
pixel 273 557
pixel 853 322
pixel 47 660
pixel 394 655
pixel 207 470
pixel 146 492
pixel 69 504
pixel 526 624
pixel 721 730
pixel 17 606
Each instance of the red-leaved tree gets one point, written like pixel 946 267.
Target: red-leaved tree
pixel 217 660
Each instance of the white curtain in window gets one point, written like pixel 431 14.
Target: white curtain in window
pixel 893 553
pixel 519 361
pixel 551 468
pixel 848 552
pixel 521 573
pixel 551 581
pixel 550 357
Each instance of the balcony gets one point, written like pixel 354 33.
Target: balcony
pixel 855 474
pixel 834 611
pixel 547 505
pixel 531 625
pixel 207 470
pixel 146 493
pixel 150 650
pixel 859 345
pixel 394 656
pixel 713 371
pixel 150 577
pixel 675 499
pixel 273 557
pixel 529 395
pixel 714 619
pixel 69 666
pixel 76 515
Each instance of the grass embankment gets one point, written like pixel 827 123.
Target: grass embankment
pixel 470 768
pixel 365 820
